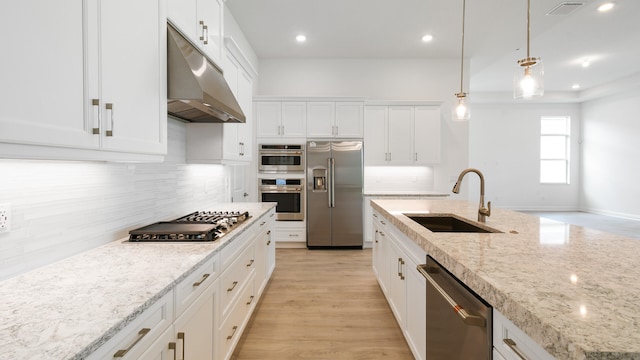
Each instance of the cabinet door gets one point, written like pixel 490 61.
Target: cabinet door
pixel 164 348
pixel 416 324
pixel 427 135
pixel 184 15
pixel 375 135
pixel 321 119
pixel 268 116
pixel 231 145
pixel 245 99
pixel 133 74
pixel 381 257
pixel 349 118
pixel 210 36
pixel 400 135
pixel 42 99
pixel 294 119
pixel 397 280
pixel 194 328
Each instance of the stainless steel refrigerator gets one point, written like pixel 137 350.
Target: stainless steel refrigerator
pixel 334 193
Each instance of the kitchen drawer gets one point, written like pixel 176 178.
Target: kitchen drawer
pixel 231 329
pixel 236 246
pixel 293 235
pixel 234 278
pixel 379 219
pixel 195 284
pixel 136 337
pixel 503 329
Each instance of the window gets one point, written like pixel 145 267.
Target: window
pixel 554 149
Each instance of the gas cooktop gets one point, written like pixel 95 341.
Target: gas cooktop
pixel 197 226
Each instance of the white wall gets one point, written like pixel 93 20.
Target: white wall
pixel 504 143
pixel 378 79
pixel 611 153
pixel 62 208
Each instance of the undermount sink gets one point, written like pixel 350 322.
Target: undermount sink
pixel 449 223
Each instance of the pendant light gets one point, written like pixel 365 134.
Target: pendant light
pixel 461 109
pixel 528 80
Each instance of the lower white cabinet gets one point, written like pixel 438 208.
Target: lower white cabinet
pixel 511 343
pixel 395 258
pixel 204 315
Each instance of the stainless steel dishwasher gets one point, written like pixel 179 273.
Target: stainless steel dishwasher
pixel 458 321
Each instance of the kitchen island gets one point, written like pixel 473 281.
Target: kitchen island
pixel 573 290
pixel 69 309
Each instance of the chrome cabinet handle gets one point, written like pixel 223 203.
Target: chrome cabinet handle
pixel 109 107
pixel 172 346
pixel 204 29
pixel 96 104
pixel 262 223
pixel 468 319
pixel 250 300
pixel 250 263
pixel 401 271
pixel 268 232
pixel 233 286
pixel 514 347
pixel 122 352
pixel 204 277
pixel 184 344
pixel 268 242
pixel 233 332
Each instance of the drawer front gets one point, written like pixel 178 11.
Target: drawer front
pixel 293 235
pixel 135 338
pixel 230 252
pixel 234 278
pixel 231 329
pixel 193 285
pixel 512 343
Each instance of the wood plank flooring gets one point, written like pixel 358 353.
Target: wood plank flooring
pixel 322 304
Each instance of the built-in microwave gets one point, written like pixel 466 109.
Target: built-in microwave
pixel 281 158
pixel 288 193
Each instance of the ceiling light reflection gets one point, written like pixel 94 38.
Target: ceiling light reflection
pixel 606 7
pixel 427 38
pixel 301 38
pixel 574 278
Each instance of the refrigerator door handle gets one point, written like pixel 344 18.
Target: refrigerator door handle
pixel 332 178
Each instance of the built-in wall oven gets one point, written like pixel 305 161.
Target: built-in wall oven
pixel 288 193
pixel 281 158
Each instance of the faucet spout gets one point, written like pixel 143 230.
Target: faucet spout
pixel 483 211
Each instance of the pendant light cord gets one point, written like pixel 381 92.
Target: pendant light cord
pixel 528 25
pixel 462 56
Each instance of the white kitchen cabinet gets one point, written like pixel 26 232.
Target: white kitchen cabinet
pixel 164 348
pixel 194 328
pixel 512 343
pixel 202 22
pixel 402 135
pixel 334 119
pixel 265 255
pixel 136 337
pixel 395 258
pixel 96 100
pixel 281 119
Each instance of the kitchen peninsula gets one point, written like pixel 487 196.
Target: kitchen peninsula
pixel 574 291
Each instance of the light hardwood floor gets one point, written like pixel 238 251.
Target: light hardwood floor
pixel 322 304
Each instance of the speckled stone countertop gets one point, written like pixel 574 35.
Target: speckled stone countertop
pixel 573 290
pixel 67 309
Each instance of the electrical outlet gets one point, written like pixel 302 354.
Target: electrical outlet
pixel 5 218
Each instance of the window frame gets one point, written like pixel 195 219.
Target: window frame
pixel 566 159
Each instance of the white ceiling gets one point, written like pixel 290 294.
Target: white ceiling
pixel 495 32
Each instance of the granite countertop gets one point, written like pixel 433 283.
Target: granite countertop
pixel 67 309
pixel 408 194
pixel 573 290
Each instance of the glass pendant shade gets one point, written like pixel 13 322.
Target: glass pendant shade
pixel 528 80
pixel 461 109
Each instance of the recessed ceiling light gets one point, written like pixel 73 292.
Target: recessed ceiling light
pixel 575 86
pixel 586 63
pixel 301 38
pixel 427 38
pixel 606 7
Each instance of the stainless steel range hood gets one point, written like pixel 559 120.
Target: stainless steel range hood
pixel 196 88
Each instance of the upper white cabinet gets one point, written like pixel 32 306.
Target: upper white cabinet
pixel 402 135
pixel 201 21
pixel 281 118
pixel 98 83
pixel 334 119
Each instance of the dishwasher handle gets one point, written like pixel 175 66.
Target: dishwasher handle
pixel 468 319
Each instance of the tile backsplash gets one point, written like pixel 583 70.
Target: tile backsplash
pixel 63 208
